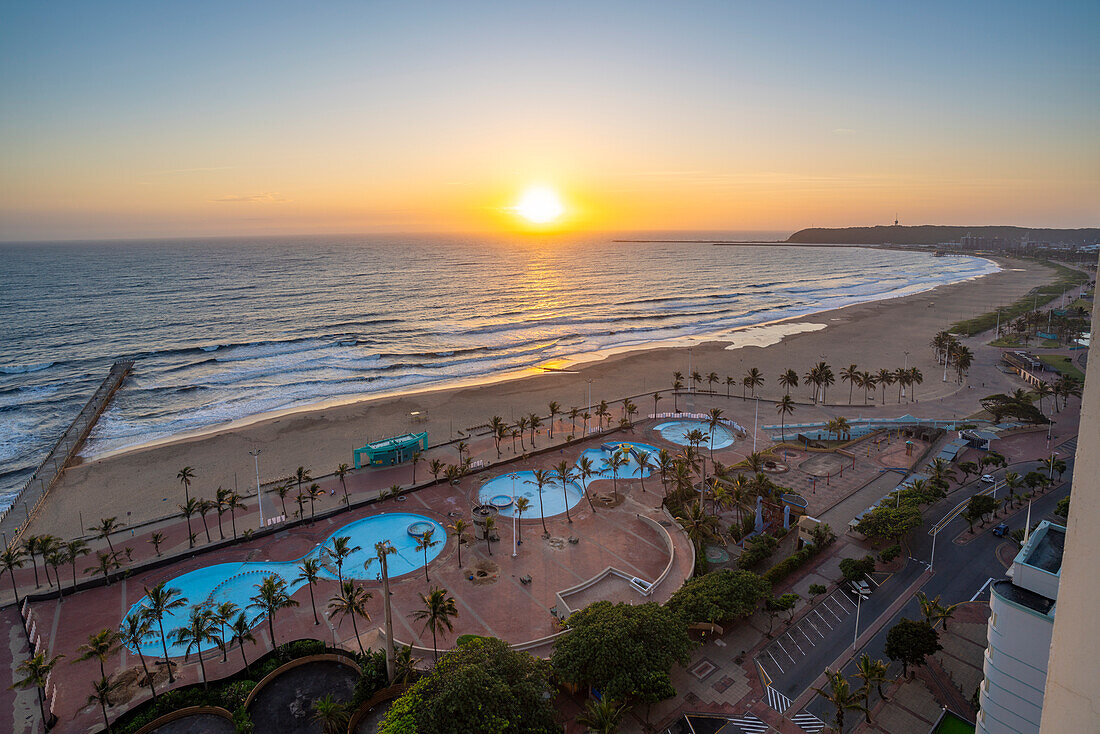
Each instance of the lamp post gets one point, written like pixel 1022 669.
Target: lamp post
pixel 855 636
pixel 754 419
pixel 932 557
pixel 515 544
pixel 255 454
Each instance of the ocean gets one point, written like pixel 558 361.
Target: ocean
pixel 226 329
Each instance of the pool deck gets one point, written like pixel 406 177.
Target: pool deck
pixel 509 609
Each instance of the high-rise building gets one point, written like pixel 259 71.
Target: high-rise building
pixel 1021 624
pixel 1072 697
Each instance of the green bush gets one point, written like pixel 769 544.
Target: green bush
pixel 372 676
pixel 759 548
pixel 890 553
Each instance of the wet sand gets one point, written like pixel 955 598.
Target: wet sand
pixel 141 484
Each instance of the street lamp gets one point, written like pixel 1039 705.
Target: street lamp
pixel 255 454
pixel 515 544
pixel 855 636
pixel 754 419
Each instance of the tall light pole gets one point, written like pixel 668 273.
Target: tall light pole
pixel 515 543
pixel 855 636
pixel 932 557
pixel 255 454
pixel 754 419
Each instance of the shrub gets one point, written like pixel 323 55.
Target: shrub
pixel 890 553
pixel 759 548
pixel 856 568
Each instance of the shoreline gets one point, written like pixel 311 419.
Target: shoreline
pixel 567 364
pixel 141 484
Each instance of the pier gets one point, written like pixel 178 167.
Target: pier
pixel 14 520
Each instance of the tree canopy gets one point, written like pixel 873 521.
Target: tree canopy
pixel 718 597
pixel 480 686
pixel 889 523
pixel 1003 406
pixel 910 641
pixel 623 651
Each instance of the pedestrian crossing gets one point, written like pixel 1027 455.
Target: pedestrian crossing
pixel 807 722
pixel 749 724
pixel 777 700
pixel 1069 446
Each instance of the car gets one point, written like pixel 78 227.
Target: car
pixel 1001 530
pixel 989 479
pixel 860 588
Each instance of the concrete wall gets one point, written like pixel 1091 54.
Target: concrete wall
pixel 1073 679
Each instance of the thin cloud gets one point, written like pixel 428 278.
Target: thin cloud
pixel 266 198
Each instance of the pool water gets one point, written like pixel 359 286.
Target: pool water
pixel 677 431
pixel 237 582
pixel 554 500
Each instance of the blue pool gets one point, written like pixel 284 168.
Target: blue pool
pixel 522 484
pixel 677 431
pixel 237 582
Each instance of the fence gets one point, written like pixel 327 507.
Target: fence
pixel 29 499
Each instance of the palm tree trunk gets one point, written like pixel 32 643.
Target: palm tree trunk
pixel 106 721
pixel 355 629
pixel 149 678
pixel 271 631
pixel 243 657
pixel 313 602
pixel 164 644
pixel 202 669
pixel 565 494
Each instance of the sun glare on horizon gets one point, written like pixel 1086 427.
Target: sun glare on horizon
pixel 540 205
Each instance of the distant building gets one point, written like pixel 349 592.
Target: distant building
pixel 1021 624
pixel 390 451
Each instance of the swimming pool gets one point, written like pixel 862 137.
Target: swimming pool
pixel 631 450
pixel 677 432
pixel 522 484
pixel 237 582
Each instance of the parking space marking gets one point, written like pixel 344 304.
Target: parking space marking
pixel 774 661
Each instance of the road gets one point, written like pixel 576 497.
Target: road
pixel 959 572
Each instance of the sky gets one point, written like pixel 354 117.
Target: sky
pixel 165 119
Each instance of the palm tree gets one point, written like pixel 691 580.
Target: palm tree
pixel 310 572
pixel 754 379
pixel 458 530
pixel 240 633
pixel 696 380
pixel 423 543
pixel 101 645
pixel 645 466
pixel 676 388
pixel 104 529
pixel 382 550
pixel 712 380
pixel 105 564
pixel 788 380
pixel 565 476
pixel 729 383
pixel 47 545
pixel 283 490
pixel 162 601
pixel 331 714
pixel 850 374
pixel 438 610
pixel 841 696
pixel 36 671
pixel 868 382
pixel 885 377
pixel 30 547
pixel 699 526
pixel 585 470
pixel 189 510
pixel 271 596
pixel 498 430
pixel 205 506
pixel 136 630
pixel 554 408
pixel 103 689
pixel 56 557
pixel 339 552
pixel 156 539
pixel 352 601
pixel 74 549
pixel 573 413
pixel 873 674
pixel 901 376
pixel 435 468
pixel 784 407
pixel 490 526
pixel 602 717
pixel 341 473
pixel 916 377
pixel 522 505
pixel 602 412
pixel 315 493
pixel 223 615
pixel 233 503
pixel 542 477
pixel 533 421
pixel 200 628
pixel 185 475
pixel 713 422
pixel 221 505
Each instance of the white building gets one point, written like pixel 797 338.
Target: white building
pixel 1021 624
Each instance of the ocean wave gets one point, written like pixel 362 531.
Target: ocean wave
pixel 22 369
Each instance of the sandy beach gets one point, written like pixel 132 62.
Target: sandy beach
pixel 141 484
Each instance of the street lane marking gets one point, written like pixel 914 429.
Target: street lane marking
pixel 807 722
pixel 774 661
pixel 777 700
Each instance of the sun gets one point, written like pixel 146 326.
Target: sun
pixel 540 205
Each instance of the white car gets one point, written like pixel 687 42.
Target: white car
pixel 989 479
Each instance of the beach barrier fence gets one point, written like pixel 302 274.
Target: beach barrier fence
pixel 14 519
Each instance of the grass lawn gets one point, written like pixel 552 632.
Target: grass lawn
pixel 1006 342
pixel 1063 364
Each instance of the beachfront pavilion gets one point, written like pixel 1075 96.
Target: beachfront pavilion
pixel 391 451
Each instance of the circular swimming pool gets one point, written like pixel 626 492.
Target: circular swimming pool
pixel 237 582
pixel 499 491
pixel 677 433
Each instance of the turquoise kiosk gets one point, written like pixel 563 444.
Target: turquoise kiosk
pixel 390 451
